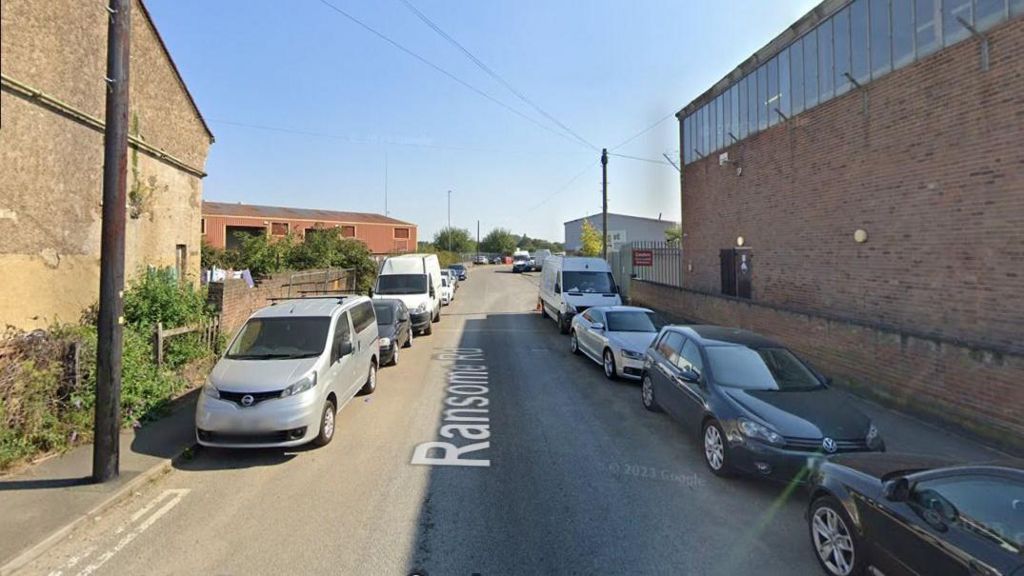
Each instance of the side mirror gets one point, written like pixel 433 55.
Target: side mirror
pixel 690 375
pixel 558 288
pixel 597 326
pixel 897 490
pixel 369 292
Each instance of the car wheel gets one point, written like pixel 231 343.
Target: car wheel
pixel 716 455
pixel 574 343
pixel 437 317
pixel 371 380
pixel 833 540
pixel 327 424
pixel 394 356
pixel 647 395
pixel 563 326
pixel 609 365
pixel 428 330
pixel 408 340
pixel 543 312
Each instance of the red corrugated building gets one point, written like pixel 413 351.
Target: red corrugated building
pixel 223 222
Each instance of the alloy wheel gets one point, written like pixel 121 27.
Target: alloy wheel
pixel 609 364
pixel 832 541
pixel 714 448
pixel 574 343
pixel 328 422
pixel 647 392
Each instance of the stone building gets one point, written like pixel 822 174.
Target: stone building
pixel 51 158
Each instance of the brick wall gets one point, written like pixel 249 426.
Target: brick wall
pixel 236 301
pixel 942 380
pixel 932 169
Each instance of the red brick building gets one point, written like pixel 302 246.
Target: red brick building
pixel 222 223
pixel 856 188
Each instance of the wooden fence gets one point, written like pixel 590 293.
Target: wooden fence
pixel 209 332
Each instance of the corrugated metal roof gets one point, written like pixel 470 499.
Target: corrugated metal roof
pixel 284 213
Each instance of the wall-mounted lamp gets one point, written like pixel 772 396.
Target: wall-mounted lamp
pixel 740 241
pixel 860 236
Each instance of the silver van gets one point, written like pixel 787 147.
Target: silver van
pixel 287 372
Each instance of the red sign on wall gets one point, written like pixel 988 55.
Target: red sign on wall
pixel 643 257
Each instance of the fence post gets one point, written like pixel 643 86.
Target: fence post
pixel 158 344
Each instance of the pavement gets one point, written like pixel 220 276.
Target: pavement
pixel 568 475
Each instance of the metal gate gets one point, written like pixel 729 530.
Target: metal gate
pixel 657 262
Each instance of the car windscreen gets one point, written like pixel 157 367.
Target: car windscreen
pixel 280 338
pixel 457 267
pixel 631 321
pixel 402 284
pixel 588 282
pixel 760 369
pixel 385 314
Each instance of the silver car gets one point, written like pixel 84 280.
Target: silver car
pixel 615 337
pixel 287 372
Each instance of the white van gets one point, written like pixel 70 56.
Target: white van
pixel 415 279
pixel 539 256
pixel 570 285
pixel 287 372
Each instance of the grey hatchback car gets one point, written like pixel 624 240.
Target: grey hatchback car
pixel 287 372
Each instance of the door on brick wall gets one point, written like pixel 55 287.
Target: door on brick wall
pixel 737 266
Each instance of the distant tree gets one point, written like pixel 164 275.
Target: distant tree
pixel 454 239
pixel 498 241
pixel 674 234
pixel 591 240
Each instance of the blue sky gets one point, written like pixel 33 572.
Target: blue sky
pixel 606 69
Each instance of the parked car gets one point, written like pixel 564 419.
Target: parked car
pixel 571 285
pixel 451 276
pixel 480 259
pixel 460 271
pixel 447 291
pixel 394 326
pixel 497 260
pixel 902 515
pixel 416 280
pixel 287 372
pixel 616 337
pixel 756 406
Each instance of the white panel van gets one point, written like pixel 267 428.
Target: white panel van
pixel 570 285
pixel 415 279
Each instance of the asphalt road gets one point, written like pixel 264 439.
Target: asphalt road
pixel 581 479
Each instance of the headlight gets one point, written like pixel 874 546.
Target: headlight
pixel 872 438
pixel 299 387
pixel 570 308
pixel 632 354
pixel 757 431
pixel 421 308
pixel 210 390
pixel 385 342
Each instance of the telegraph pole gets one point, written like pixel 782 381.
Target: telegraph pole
pixel 604 201
pixel 449 220
pixel 110 335
pixel 477 238
pixel 385 183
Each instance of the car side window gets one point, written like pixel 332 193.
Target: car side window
pixel 670 346
pixel 363 316
pixel 342 333
pixel 689 357
pixel 588 315
pixel 990 507
pixel 596 316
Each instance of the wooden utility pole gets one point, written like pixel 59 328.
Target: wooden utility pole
pixel 110 334
pixel 604 202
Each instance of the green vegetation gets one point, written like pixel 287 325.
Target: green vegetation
pixel 674 234
pixel 322 248
pixel 499 241
pixel 591 240
pixel 45 408
pixel 456 240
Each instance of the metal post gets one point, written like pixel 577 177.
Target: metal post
pixel 449 220
pixel 477 238
pixel 110 336
pixel 385 183
pixel 604 202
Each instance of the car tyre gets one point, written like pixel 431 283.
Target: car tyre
pixel 715 449
pixel 408 341
pixel 563 326
pixel 394 357
pixel 647 394
pixel 833 538
pixel 327 424
pixel 608 363
pixel 429 329
pixel 371 381
pixel 574 343
pixel 437 317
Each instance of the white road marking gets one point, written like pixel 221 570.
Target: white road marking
pixel 169 498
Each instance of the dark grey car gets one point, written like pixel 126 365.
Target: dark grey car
pixel 395 327
pixel 755 406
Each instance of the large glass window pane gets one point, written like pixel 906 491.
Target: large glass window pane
pixel 928 14
pixel 773 91
pixel 762 96
pixel 825 62
pixel 686 140
pixel 952 29
pixel 859 55
pixel 841 49
pixel 751 83
pixel 784 84
pixel 1016 7
pixel 741 94
pixel 727 125
pixel 810 50
pixel 902 32
pixel 881 56
pixel 988 12
pixel 796 69
pixel 719 120
pixel 708 129
pixel 734 103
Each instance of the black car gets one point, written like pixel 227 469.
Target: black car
pixel 912 515
pixel 756 407
pixel 459 270
pixel 394 326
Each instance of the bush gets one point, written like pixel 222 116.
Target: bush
pixel 158 296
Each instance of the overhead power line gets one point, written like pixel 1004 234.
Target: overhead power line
pixel 469 86
pixel 563 187
pixel 426 20
pixel 642 132
pixel 651 160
